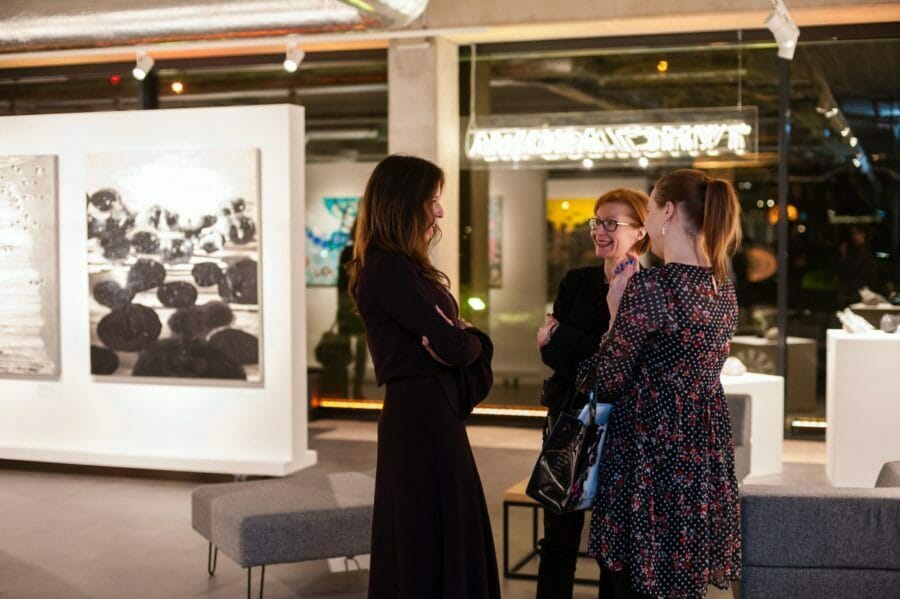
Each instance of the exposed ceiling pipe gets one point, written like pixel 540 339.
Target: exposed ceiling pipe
pixel 28 26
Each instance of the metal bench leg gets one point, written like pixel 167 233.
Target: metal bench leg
pixel 211 558
pixel 262 581
pixel 505 539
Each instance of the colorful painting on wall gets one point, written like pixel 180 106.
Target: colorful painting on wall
pixel 329 223
pixel 174 264
pixel 29 292
pixel 569 242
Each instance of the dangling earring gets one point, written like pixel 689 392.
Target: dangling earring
pixel 664 229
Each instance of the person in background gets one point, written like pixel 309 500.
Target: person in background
pixel 431 534
pixel 349 323
pixel 856 268
pixel 666 517
pixel 571 334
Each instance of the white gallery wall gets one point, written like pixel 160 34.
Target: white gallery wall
pixel 517 308
pixel 333 179
pixel 174 424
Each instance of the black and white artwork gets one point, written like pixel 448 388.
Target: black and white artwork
pixel 29 294
pixel 174 265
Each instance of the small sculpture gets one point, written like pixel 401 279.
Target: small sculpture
pixel 854 323
pixel 870 298
pixel 733 367
pixel 890 323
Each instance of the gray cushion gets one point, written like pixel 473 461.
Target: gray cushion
pixel 819 583
pixel 889 475
pixel 307 516
pixel 741 461
pixel 821 527
pixel 739 410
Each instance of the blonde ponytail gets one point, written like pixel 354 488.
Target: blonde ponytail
pixel 711 207
pixel 721 225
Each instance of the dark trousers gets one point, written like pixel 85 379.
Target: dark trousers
pixel 615 585
pixel 559 553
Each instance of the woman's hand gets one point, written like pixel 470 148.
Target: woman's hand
pixel 623 272
pixel 462 324
pixel 427 345
pixel 545 331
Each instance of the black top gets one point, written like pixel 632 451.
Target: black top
pixel 583 316
pixel 398 307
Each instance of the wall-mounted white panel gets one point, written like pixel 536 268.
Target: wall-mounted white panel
pixel 252 427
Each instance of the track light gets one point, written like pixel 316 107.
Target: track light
pixel 293 56
pixel 784 29
pixel 142 66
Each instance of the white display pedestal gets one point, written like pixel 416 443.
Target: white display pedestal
pixel 863 406
pixel 170 424
pixel 766 419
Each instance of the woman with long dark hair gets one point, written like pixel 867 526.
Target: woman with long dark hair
pixel 431 536
pixel 666 519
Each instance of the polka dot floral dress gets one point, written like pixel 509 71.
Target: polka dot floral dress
pixel 667 510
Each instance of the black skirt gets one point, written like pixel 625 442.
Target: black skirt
pixel 431 535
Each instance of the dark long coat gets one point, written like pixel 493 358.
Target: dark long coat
pixel 431 536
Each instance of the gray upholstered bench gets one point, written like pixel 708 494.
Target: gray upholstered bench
pixel 822 543
pixel 310 515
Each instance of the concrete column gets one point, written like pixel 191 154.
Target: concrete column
pixel 474 271
pixel 423 120
pixel 518 306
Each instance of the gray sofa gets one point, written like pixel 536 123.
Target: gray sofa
pixel 822 543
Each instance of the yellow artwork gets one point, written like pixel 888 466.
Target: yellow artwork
pixel 569 214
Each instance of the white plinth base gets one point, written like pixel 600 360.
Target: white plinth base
pixel 863 406
pixel 766 419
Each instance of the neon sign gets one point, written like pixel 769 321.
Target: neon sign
pixel 596 140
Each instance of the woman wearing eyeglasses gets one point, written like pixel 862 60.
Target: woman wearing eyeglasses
pixel 571 334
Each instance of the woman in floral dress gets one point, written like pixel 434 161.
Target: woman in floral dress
pixel 666 520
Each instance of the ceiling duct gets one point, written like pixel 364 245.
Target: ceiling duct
pixel 29 26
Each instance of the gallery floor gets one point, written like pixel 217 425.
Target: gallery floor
pixel 100 533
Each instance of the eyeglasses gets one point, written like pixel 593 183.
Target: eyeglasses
pixel 608 224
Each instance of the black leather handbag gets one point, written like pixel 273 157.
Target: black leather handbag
pixel 564 478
